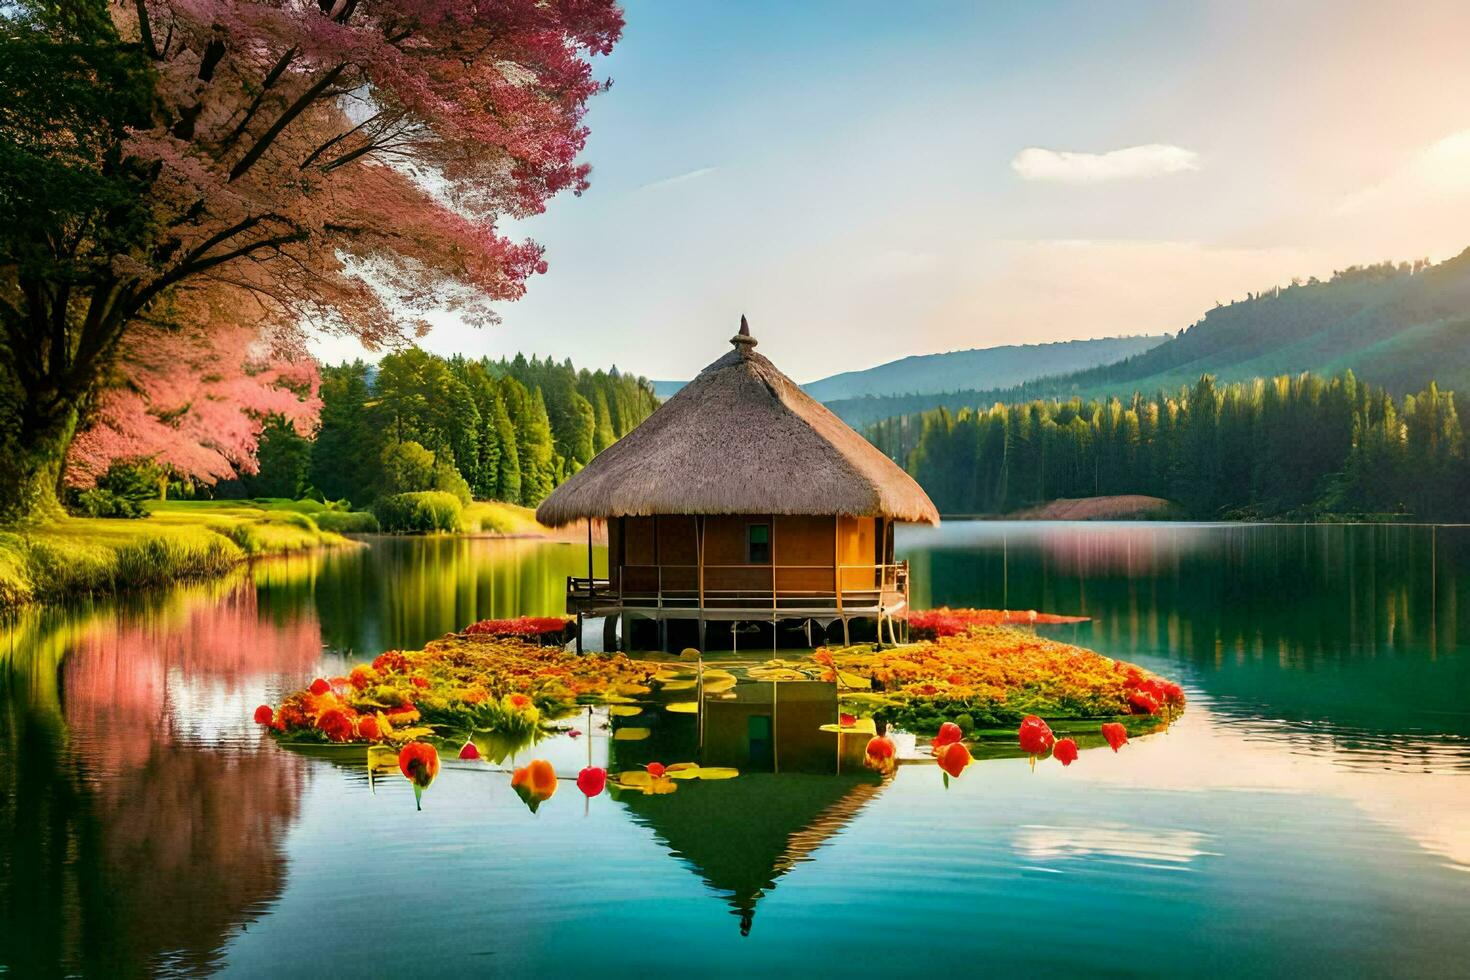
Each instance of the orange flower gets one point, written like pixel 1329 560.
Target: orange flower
pixel 362 675
pixel 534 783
pixel 520 702
pixel 1115 733
pixel 419 763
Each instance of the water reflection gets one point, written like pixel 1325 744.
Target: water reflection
pixel 1351 631
pixel 139 829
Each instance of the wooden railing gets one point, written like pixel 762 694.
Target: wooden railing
pixel 860 589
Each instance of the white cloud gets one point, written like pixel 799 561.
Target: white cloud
pixel 679 178
pixel 1150 160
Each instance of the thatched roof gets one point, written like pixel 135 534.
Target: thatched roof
pixel 741 438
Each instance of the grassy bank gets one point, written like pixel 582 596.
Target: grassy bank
pixel 178 540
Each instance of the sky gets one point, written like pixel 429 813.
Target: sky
pixel 868 181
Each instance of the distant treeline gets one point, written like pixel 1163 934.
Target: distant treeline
pixel 505 430
pixel 1288 445
pixel 1395 324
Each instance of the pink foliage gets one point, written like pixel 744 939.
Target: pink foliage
pixel 336 166
pixel 194 400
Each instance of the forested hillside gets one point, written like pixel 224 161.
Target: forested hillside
pixel 1394 325
pixel 506 430
pixel 1289 445
pixel 987 367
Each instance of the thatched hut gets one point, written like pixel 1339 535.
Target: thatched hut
pixel 742 500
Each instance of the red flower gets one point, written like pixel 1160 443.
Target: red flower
pixel 264 715
pixel 949 734
pixel 1173 694
pixel 591 780
pixel 390 662
pixel 368 728
pixel 880 747
pixel 1035 736
pixel 1143 703
pixel 1115 733
pixel 655 769
pixel 469 751
pixel 954 758
pixel 320 687
pixel 335 725
pixel 419 763
pixel 520 702
pixel 1065 751
pixel 360 677
pixel 420 682
pixel 846 721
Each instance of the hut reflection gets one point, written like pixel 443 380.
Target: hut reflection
pixel 799 786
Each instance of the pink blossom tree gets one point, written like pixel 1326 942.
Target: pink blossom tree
pixel 333 166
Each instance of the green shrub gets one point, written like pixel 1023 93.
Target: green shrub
pixel 290 518
pixel 100 502
pixel 423 511
pixel 345 522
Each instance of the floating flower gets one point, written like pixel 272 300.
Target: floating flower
pixel 319 687
pixel 1065 751
pixel 880 754
pixel 575 733
pixel 1115 733
pixel 592 780
pixel 953 758
pixel 655 769
pixel 846 720
pixel 469 751
pixel 419 763
pixel 368 728
pixel 534 783
pixel 1035 736
pixel 264 715
pixel 949 733
pixel 335 725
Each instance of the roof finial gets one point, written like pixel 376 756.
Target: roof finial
pixel 743 339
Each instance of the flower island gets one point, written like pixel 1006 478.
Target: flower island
pixel 496 680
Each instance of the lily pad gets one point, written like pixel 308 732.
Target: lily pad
pixel 624 710
pixel 863 726
pixel 683 707
pixel 680 685
pixel 631 734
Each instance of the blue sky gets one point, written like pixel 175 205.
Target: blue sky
pixel 869 181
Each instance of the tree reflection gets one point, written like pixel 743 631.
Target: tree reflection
pixel 138 827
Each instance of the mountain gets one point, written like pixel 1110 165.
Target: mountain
pixel 985 367
pixel 1395 325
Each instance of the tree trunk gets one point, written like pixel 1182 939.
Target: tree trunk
pixel 31 465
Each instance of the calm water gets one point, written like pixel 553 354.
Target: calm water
pixel 1310 814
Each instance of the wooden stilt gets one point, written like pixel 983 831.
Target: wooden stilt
pixel 579 632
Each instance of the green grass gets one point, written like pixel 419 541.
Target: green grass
pixel 499 517
pixel 184 539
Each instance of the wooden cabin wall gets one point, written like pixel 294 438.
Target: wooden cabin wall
pixel 803 554
pixel 856 545
pixel 804 551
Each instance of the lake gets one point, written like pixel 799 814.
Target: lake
pixel 1309 814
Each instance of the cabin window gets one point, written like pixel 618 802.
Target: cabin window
pixel 758 544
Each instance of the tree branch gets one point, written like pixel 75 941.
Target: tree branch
pixel 296 108
pixel 146 30
pixel 273 76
